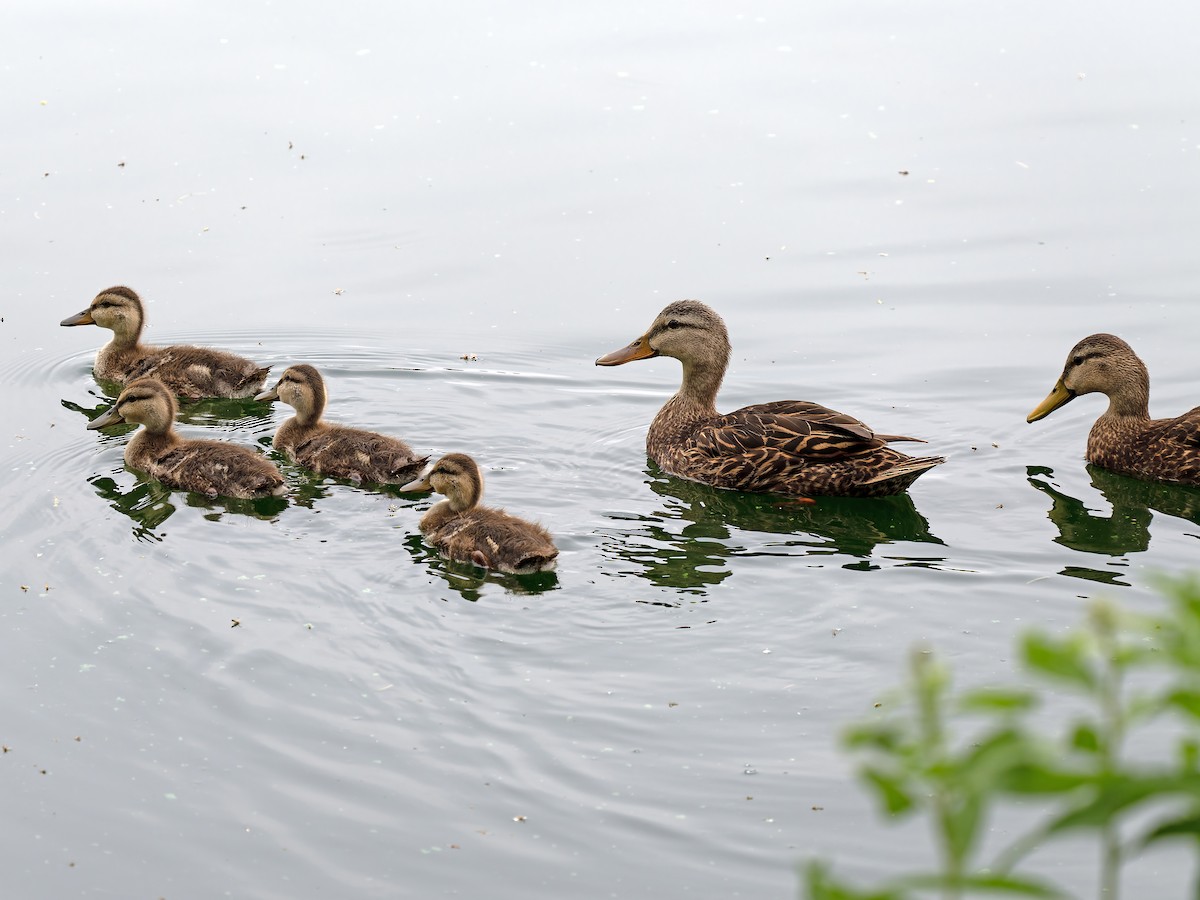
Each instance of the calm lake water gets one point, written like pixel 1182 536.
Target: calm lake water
pixel 908 211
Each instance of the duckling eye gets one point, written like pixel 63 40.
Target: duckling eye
pixel 674 323
pixel 1077 361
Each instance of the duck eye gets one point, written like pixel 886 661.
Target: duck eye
pixel 674 323
pixel 1077 361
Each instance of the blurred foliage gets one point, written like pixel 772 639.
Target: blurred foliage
pixel 954 757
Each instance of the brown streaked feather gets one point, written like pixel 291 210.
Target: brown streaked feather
pixel 190 372
pixel 336 450
pixel 792 447
pixel 198 372
pixel 464 531
pixel 214 468
pixel 1124 438
pixel 352 453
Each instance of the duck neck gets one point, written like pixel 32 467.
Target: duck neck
pixel 152 443
pixel 697 395
pixel 1132 401
pixel 126 334
pixel 308 418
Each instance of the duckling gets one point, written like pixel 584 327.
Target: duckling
pixel 464 531
pixel 334 449
pixel 791 447
pixel 1125 439
pixel 191 372
pixel 215 468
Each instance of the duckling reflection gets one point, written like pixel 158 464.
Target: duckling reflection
pixel 244 413
pixel 468 581
pixel 1127 529
pixel 695 557
pixel 148 504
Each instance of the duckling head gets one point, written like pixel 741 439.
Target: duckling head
pixel 145 401
pixel 688 330
pixel 1105 364
pixel 456 476
pixel 302 388
pixel 118 309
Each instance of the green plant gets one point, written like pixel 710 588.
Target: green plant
pixel 956 756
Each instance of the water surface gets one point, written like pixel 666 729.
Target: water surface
pixel 906 211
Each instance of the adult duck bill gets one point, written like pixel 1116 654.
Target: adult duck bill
pixel 1059 396
pixel 639 349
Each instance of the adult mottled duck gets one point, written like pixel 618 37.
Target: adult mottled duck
pixel 1125 439
pixel 789 447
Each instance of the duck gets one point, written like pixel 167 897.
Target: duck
pixel 463 531
pixel 193 373
pixel 791 447
pixel 335 450
pixel 213 468
pixel 1125 439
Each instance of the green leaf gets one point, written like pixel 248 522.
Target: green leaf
pixel 819 884
pixel 1115 794
pixel 1085 738
pixel 895 798
pixel 1062 660
pixel 1036 778
pixel 962 826
pixel 995 699
pixel 1188 826
pixel 1186 701
pixel 1009 885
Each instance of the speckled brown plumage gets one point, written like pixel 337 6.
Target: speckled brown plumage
pixel 214 468
pixel 191 372
pixel 1125 439
pixel 336 450
pixel 788 447
pixel 462 530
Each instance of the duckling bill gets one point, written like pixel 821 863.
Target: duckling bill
pixel 790 447
pixel 213 468
pixel 464 531
pixel 335 450
pixel 191 372
pixel 1125 439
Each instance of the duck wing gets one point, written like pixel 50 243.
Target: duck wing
pixel 198 372
pixel 1182 431
pixel 815 413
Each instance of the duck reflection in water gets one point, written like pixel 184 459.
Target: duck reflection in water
pixel 468 581
pixel 695 557
pixel 149 504
pixel 1127 529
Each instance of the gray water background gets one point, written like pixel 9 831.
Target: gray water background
pixel 908 211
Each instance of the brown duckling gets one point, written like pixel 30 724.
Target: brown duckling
pixel 215 468
pixel 1125 439
pixel 789 447
pixel 464 531
pixel 191 372
pixel 336 450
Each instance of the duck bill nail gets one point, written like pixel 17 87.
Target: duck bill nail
pixel 1059 396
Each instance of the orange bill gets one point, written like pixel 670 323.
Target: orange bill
pixel 639 349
